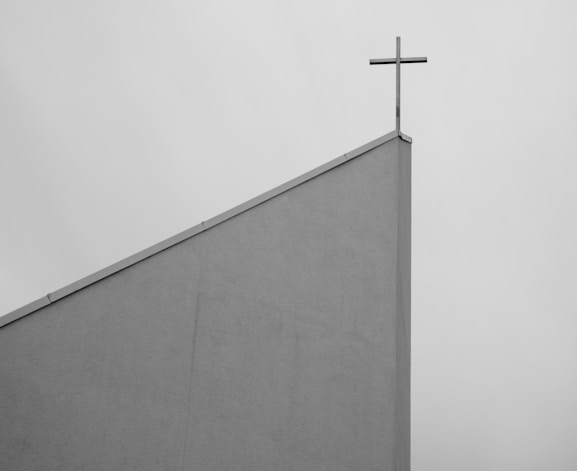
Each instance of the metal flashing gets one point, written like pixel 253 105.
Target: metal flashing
pixel 24 311
pixel 371 145
pixel 406 138
pixel 203 226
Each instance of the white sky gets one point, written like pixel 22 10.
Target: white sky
pixel 124 122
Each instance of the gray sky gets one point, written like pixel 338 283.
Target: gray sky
pixel 125 122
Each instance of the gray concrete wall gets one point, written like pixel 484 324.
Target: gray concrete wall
pixel 277 340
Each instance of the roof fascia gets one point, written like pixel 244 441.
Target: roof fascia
pixel 187 234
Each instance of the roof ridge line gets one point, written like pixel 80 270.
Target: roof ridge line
pixel 197 229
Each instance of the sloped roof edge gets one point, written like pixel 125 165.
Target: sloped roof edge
pixel 203 226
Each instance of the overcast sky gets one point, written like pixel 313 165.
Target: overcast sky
pixel 125 122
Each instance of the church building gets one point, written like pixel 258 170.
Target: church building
pixel 275 336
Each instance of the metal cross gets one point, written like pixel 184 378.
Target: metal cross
pixel 398 60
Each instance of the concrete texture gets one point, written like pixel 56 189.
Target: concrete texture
pixel 277 340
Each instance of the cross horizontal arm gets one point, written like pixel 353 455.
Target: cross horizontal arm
pixel 404 60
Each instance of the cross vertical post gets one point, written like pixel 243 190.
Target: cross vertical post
pixel 398 60
pixel 398 83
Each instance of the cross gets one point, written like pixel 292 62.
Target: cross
pixel 398 60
